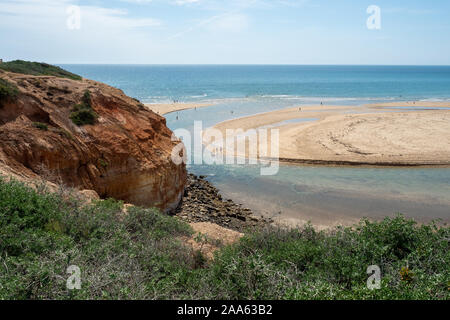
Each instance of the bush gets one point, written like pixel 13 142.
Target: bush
pixel 332 265
pixel 83 114
pixel 138 255
pixel 132 256
pixel 8 91
pixel 37 69
pixel 40 126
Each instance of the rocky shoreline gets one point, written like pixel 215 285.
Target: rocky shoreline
pixel 202 202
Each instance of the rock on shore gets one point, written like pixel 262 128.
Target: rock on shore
pixel 202 202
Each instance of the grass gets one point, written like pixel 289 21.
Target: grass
pixel 40 126
pixel 37 69
pixel 82 113
pixel 8 91
pixel 139 255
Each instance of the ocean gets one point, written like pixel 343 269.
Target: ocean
pixel 312 83
pixel 320 194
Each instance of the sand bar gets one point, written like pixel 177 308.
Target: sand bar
pixel 416 104
pixel 367 135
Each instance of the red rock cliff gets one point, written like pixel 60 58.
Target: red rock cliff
pixel 124 155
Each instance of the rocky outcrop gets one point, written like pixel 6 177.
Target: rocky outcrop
pixel 202 202
pixel 125 154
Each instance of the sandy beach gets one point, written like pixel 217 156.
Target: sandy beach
pixel 165 108
pixel 368 135
pixel 416 104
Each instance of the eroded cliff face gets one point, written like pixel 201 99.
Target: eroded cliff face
pixel 126 154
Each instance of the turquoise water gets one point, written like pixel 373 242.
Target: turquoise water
pixel 324 195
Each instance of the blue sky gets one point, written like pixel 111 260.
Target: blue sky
pixel 226 32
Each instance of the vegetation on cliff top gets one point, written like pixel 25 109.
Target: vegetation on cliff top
pixel 139 255
pixel 8 91
pixel 37 69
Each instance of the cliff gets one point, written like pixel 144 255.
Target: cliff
pixel 87 135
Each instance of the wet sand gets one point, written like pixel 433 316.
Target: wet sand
pixel 367 135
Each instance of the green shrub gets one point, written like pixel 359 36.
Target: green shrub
pixel 139 255
pixel 40 126
pixel 132 256
pixel 8 91
pixel 86 99
pixel 83 114
pixel 37 69
pixel 332 265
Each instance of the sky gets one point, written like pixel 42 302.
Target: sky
pixel 411 32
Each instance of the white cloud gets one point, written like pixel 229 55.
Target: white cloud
pixel 412 11
pixel 113 18
pixel 137 1
pixel 50 13
pixel 37 30
pixel 231 22
pixel 172 2
pixel 183 2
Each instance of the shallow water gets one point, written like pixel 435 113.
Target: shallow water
pixel 321 194
pixel 326 195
